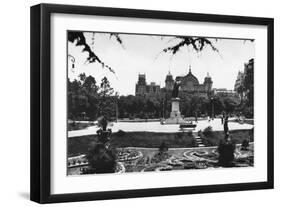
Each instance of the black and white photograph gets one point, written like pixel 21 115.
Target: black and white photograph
pixel 141 103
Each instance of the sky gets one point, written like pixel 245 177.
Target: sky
pixel 141 54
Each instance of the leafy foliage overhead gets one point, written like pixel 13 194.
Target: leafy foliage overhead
pixel 197 43
pixel 92 57
pixel 117 37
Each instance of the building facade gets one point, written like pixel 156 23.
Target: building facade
pixel 144 89
pixel 223 92
pixel 245 79
pixel 189 85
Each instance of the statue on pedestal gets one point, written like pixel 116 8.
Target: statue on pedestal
pixel 101 156
pixel 175 92
pixel 175 115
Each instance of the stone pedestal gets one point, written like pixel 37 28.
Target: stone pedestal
pixel 175 115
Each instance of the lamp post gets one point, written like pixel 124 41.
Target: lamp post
pixel 213 110
pixel 163 108
pixel 116 106
pixel 72 59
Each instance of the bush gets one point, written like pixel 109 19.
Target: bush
pixel 194 142
pixel 101 159
pixel 251 134
pixel 159 157
pixel 245 144
pixel 163 147
pixel 190 134
pixel 226 153
pixel 208 132
pixel 120 133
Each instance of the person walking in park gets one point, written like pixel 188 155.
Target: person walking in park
pixel 225 125
pixel 222 119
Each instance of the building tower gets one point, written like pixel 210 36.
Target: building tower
pixel 208 83
pixel 169 82
pixel 141 85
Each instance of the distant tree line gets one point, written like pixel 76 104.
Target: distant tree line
pixel 88 100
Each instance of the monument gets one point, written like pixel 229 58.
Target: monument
pixel 175 115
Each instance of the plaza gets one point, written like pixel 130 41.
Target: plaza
pixel 157 127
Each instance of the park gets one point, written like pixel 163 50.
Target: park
pixel 140 143
pixel 119 126
pixel 174 143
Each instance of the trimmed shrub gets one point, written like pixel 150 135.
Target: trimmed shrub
pixel 208 132
pixel 120 133
pixel 101 159
pixel 245 144
pixel 163 147
pixel 189 133
pixel 226 153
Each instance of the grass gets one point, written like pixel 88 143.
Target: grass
pixel 80 145
pixel 237 136
pixel 249 121
pixel 77 126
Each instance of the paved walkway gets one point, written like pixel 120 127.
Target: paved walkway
pixel 157 127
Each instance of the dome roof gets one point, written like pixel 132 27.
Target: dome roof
pixel 190 77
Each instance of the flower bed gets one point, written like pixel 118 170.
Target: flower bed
pixel 128 155
pixel 120 168
pixel 156 167
pixel 77 161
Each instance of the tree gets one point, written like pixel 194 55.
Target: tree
pixel 91 90
pixel 101 159
pixel 90 84
pixel 77 99
pixel 196 43
pixel 80 40
pixel 106 99
pixel 82 77
pixel 230 104
pixel 84 96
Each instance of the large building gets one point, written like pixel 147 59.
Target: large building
pixel 189 85
pixel 245 76
pixel 223 92
pixel 144 89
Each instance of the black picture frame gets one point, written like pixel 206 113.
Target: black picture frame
pixel 40 102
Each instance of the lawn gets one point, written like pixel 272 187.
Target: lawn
pixel 80 145
pixel 78 125
pixel 213 138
